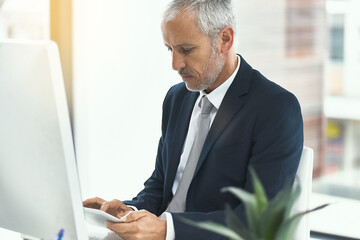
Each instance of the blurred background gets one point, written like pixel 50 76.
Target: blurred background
pixel 117 72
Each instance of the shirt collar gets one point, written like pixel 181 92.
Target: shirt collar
pixel 218 94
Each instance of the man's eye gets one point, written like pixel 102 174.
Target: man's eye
pixel 187 50
pixel 169 49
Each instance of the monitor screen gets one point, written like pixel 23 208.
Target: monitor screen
pixel 39 187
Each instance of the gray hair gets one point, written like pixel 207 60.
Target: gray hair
pixel 212 15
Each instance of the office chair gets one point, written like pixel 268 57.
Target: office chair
pixel 304 178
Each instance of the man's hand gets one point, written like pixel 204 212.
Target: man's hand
pixel 93 202
pixel 139 225
pixel 114 207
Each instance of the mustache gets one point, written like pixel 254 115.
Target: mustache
pixel 186 72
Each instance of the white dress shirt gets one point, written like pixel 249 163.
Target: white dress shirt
pixel 215 97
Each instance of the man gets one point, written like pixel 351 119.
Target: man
pixel 225 117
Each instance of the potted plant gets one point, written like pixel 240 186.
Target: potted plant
pixel 267 219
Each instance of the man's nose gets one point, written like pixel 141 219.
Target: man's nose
pixel 177 61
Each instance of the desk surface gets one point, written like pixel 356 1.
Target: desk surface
pixel 9 235
pixel 101 233
pixel 340 218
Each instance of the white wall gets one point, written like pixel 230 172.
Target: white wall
pixel 122 72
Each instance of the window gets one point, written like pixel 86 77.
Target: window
pixel 338 180
pixel 336 37
pixel 24 19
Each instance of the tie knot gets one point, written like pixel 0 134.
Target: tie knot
pixel 206 106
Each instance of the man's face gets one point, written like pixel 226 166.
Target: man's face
pixel 193 56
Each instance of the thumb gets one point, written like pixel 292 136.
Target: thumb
pixel 134 216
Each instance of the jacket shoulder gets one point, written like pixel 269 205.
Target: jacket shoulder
pixel 269 92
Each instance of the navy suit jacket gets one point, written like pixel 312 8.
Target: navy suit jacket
pixel 258 123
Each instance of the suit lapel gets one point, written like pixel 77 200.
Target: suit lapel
pixel 178 139
pixel 231 104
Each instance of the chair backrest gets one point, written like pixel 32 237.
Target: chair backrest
pixel 304 178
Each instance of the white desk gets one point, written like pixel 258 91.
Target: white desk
pixel 9 235
pixel 341 218
pixel 94 231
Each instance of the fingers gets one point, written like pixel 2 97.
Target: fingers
pixel 124 228
pixel 121 229
pixel 134 216
pixel 127 221
pixel 116 208
pixel 112 206
pixel 139 225
pixel 95 202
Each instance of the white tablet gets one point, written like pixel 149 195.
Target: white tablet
pixel 98 217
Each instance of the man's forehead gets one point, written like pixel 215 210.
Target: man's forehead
pixel 180 31
pixel 181 41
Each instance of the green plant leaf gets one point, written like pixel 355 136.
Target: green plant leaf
pixel 274 215
pixel 288 228
pixel 214 227
pixel 234 223
pixel 271 219
pixel 250 205
pixel 259 191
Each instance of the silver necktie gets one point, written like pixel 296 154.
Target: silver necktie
pixel 177 204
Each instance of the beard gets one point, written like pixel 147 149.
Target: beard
pixel 211 69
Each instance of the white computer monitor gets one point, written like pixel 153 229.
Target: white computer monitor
pixel 39 187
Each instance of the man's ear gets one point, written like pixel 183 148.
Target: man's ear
pixel 226 39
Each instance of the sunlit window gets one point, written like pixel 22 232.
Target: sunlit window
pixel 24 19
pixel 339 178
